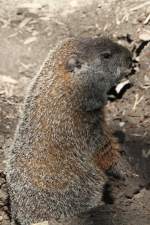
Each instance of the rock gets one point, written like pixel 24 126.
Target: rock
pixel 145 35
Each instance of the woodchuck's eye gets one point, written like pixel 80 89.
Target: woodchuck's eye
pixel 106 54
pixel 72 63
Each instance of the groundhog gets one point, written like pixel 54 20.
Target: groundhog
pixel 56 167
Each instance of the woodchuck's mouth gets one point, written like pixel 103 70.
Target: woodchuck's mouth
pixel 118 91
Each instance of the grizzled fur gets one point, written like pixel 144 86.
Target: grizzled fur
pixel 62 147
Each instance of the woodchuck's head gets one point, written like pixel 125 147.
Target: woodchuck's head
pixel 93 66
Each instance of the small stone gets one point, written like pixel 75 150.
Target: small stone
pixel 121 124
pixel 145 35
pixel 1 218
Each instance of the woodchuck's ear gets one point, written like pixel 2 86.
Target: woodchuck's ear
pixel 73 63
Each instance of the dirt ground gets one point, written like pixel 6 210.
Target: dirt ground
pixel 28 30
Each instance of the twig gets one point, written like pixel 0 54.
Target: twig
pixel 137 101
pixel 140 6
pixel 146 20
